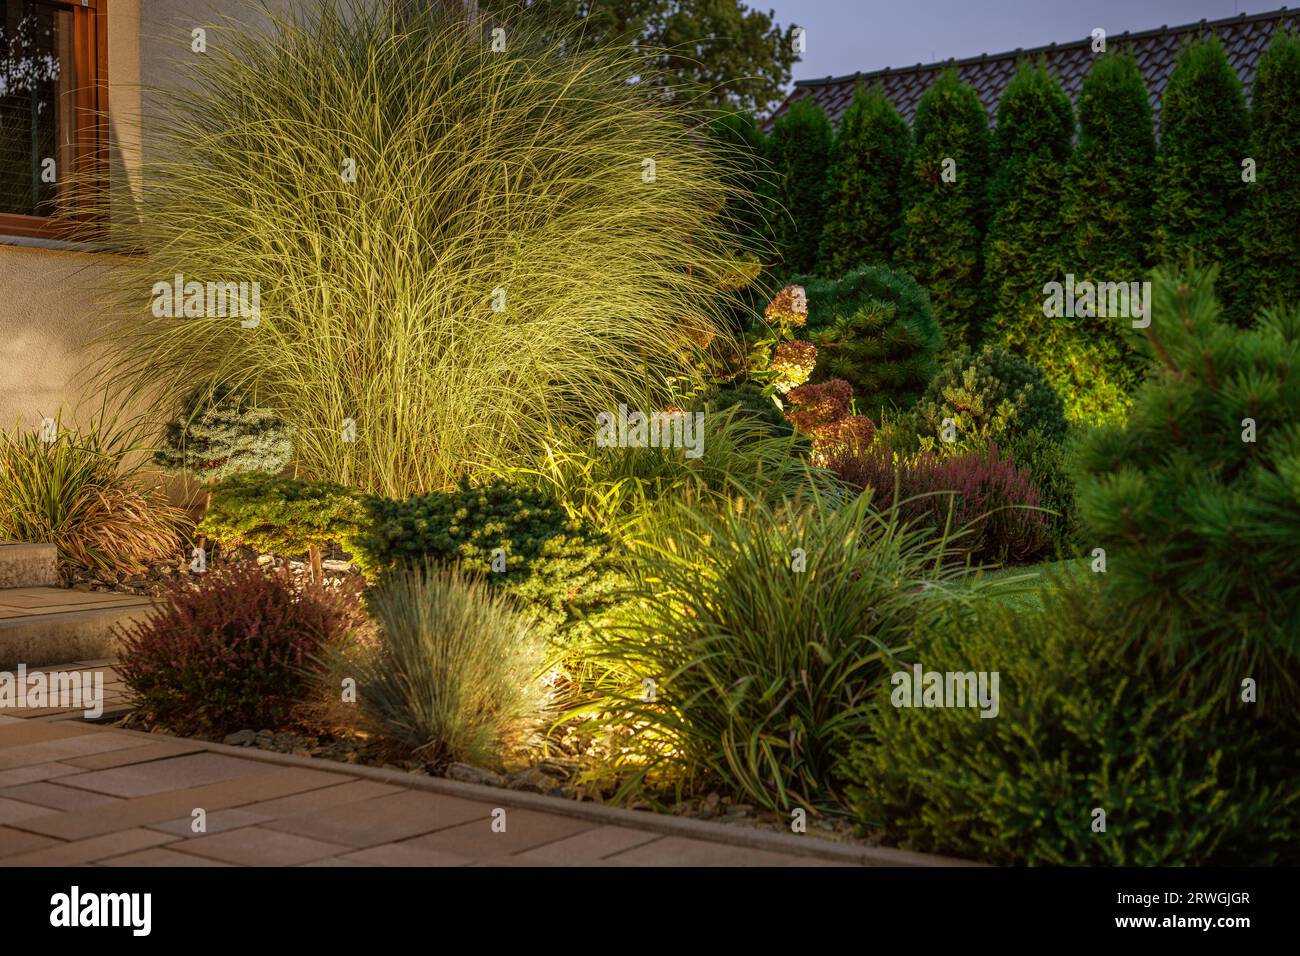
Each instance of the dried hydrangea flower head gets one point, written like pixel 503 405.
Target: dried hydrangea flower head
pixel 793 363
pixel 818 405
pixel 788 307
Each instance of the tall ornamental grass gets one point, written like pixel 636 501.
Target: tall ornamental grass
pixel 463 250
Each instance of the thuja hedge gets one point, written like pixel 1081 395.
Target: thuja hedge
pixel 1272 237
pixel 946 200
pixel 1023 249
pixel 864 191
pixel 1199 188
pixel 799 152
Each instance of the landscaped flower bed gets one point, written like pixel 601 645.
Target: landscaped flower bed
pixel 910 586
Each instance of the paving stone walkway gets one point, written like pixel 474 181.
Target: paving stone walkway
pixel 73 794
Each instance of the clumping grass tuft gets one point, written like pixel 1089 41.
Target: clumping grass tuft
pixel 457 673
pixel 501 267
pixel 86 492
pixel 764 630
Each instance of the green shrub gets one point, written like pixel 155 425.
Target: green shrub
pixel 237 651
pixel 85 492
pixel 763 629
pixel 1203 139
pixel 1271 238
pixel 1196 499
pixel 283 516
pixel 555 566
pixel 990 395
pixel 1048 462
pixel 864 209
pixel 1078 727
pixel 219 433
pixel 873 327
pixel 944 222
pixel 996 397
pixel 388 175
pixel 456 673
pixel 799 151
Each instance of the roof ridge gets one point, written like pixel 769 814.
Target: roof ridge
pixel 1201 24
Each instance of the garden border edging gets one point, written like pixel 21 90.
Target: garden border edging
pixel 597 813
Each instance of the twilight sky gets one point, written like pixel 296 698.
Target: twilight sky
pixel 845 36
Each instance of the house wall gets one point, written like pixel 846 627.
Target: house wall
pixel 51 297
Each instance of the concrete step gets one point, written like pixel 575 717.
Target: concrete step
pixel 28 565
pixel 43 625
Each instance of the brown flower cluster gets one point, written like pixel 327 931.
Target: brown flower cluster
pixel 789 307
pixel 821 411
pixel 793 363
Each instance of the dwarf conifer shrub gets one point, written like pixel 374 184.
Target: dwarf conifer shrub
pixel 1203 139
pixel 989 395
pixel 799 151
pixel 874 328
pixel 1194 499
pixel 283 516
pixel 237 649
pixel 1079 728
pixel 519 538
pixel 947 204
pixel 219 433
pixel 1271 239
pixel 864 198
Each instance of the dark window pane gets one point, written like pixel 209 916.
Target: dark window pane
pixel 37 105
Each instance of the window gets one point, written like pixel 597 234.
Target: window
pixel 52 98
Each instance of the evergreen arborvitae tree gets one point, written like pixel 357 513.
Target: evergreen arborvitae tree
pixel 1196 500
pixel 1023 249
pixel 1199 190
pixel 749 212
pixel 799 151
pixel 219 434
pixel 946 204
pixel 1270 266
pixel 1109 222
pixel 864 206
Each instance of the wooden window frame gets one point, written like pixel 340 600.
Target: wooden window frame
pixel 90 53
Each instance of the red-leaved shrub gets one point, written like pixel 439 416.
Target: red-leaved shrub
pixel 987 494
pixel 235 650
